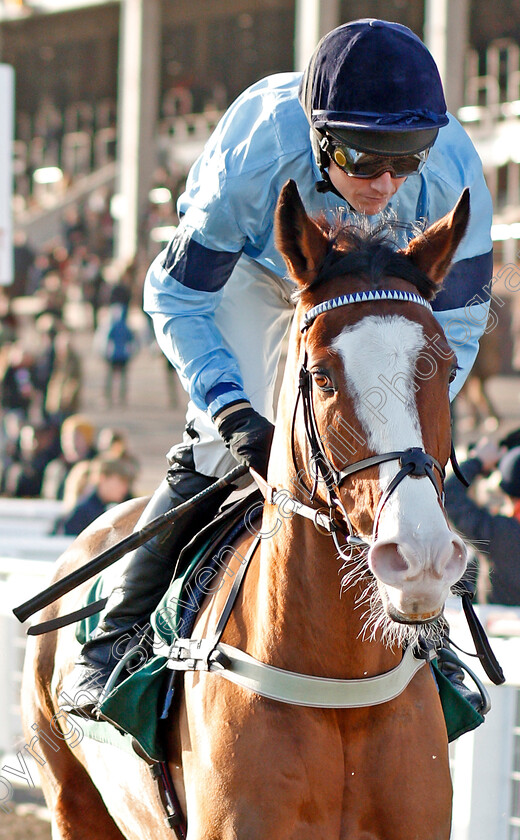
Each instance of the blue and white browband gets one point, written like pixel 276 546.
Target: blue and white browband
pixel 361 297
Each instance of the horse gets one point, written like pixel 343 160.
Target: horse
pixel 353 559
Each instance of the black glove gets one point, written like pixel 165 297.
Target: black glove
pixel 247 435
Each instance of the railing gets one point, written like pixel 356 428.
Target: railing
pixel 27 556
pixel 485 762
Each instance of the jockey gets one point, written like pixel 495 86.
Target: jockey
pixel 363 131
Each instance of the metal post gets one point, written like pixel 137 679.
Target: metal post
pixel 314 18
pixel 446 28
pixel 137 117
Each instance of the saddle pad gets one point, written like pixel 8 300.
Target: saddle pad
pixel 136 703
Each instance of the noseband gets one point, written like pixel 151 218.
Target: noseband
pixel 414 462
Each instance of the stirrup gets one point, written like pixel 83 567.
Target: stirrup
pixel 448 655
pixel 115 676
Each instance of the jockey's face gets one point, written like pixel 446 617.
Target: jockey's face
pixel 366 195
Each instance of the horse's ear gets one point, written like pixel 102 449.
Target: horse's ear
pixel 434 249
pixel 301 242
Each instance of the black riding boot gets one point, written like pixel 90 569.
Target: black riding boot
pixel 449 666
pixel 145 580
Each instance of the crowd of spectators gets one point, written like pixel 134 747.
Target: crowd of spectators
pixel 50 448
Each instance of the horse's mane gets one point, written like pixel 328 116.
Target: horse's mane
pixel 354 250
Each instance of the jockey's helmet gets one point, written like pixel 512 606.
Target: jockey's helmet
pixel 373 88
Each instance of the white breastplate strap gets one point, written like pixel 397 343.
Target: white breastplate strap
pixel 290 687
pixel 287 504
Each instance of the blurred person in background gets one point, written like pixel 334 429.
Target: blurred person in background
pixel 47 326
pixel 94 289
pixel 76 483
pixel 52 295
pixel 9 327
pixel 38 444
pixel 496 535
pixel 23 260
pixel 18 391
pixel 363 131
pixel 113 443
pixel 63 392
pixel 120 292
pixel 77 441
pixel 110 482
pixel 117 344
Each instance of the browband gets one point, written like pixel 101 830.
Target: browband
pixel 361 297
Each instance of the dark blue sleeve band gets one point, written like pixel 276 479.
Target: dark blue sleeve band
pixel 467 279
pixel 219 389
pixel 196 266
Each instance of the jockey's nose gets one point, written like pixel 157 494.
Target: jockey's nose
pixel 383 183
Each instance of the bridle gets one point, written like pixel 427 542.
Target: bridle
pixel 414 462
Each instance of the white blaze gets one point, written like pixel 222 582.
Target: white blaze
pixel 379 355
pixel 416 555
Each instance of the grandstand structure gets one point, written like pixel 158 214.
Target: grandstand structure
pixel 132 88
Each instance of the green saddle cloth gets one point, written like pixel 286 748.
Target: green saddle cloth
pixel 460 716
pixel 135 705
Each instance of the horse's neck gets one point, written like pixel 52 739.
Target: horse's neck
pixel 300 620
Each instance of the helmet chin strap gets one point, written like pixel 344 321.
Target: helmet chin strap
pixel 323 161
pixel 327 186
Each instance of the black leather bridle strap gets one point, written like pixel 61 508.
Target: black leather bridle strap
pixel 456 467
pixel 365 463
pixel 319 456
pixel 415 463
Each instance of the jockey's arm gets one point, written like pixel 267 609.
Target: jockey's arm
pixel 466 319
pixel 227 208
pixel 183 319
pixel 462 307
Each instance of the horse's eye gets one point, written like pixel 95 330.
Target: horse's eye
pixel 453 372
pixel 322 381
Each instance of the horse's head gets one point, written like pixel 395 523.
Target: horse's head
pixel 372 369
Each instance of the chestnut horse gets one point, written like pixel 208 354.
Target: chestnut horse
pixel 365 388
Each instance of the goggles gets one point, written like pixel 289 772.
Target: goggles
pixel 359 164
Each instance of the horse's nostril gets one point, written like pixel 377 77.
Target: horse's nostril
pixel 397 563
pixel 456 562
pixel 387 562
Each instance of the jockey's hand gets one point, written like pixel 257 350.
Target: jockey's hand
pixel 247 435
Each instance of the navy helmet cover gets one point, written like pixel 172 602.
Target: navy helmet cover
pixel 373 75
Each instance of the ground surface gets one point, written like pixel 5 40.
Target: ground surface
pixel 21 825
